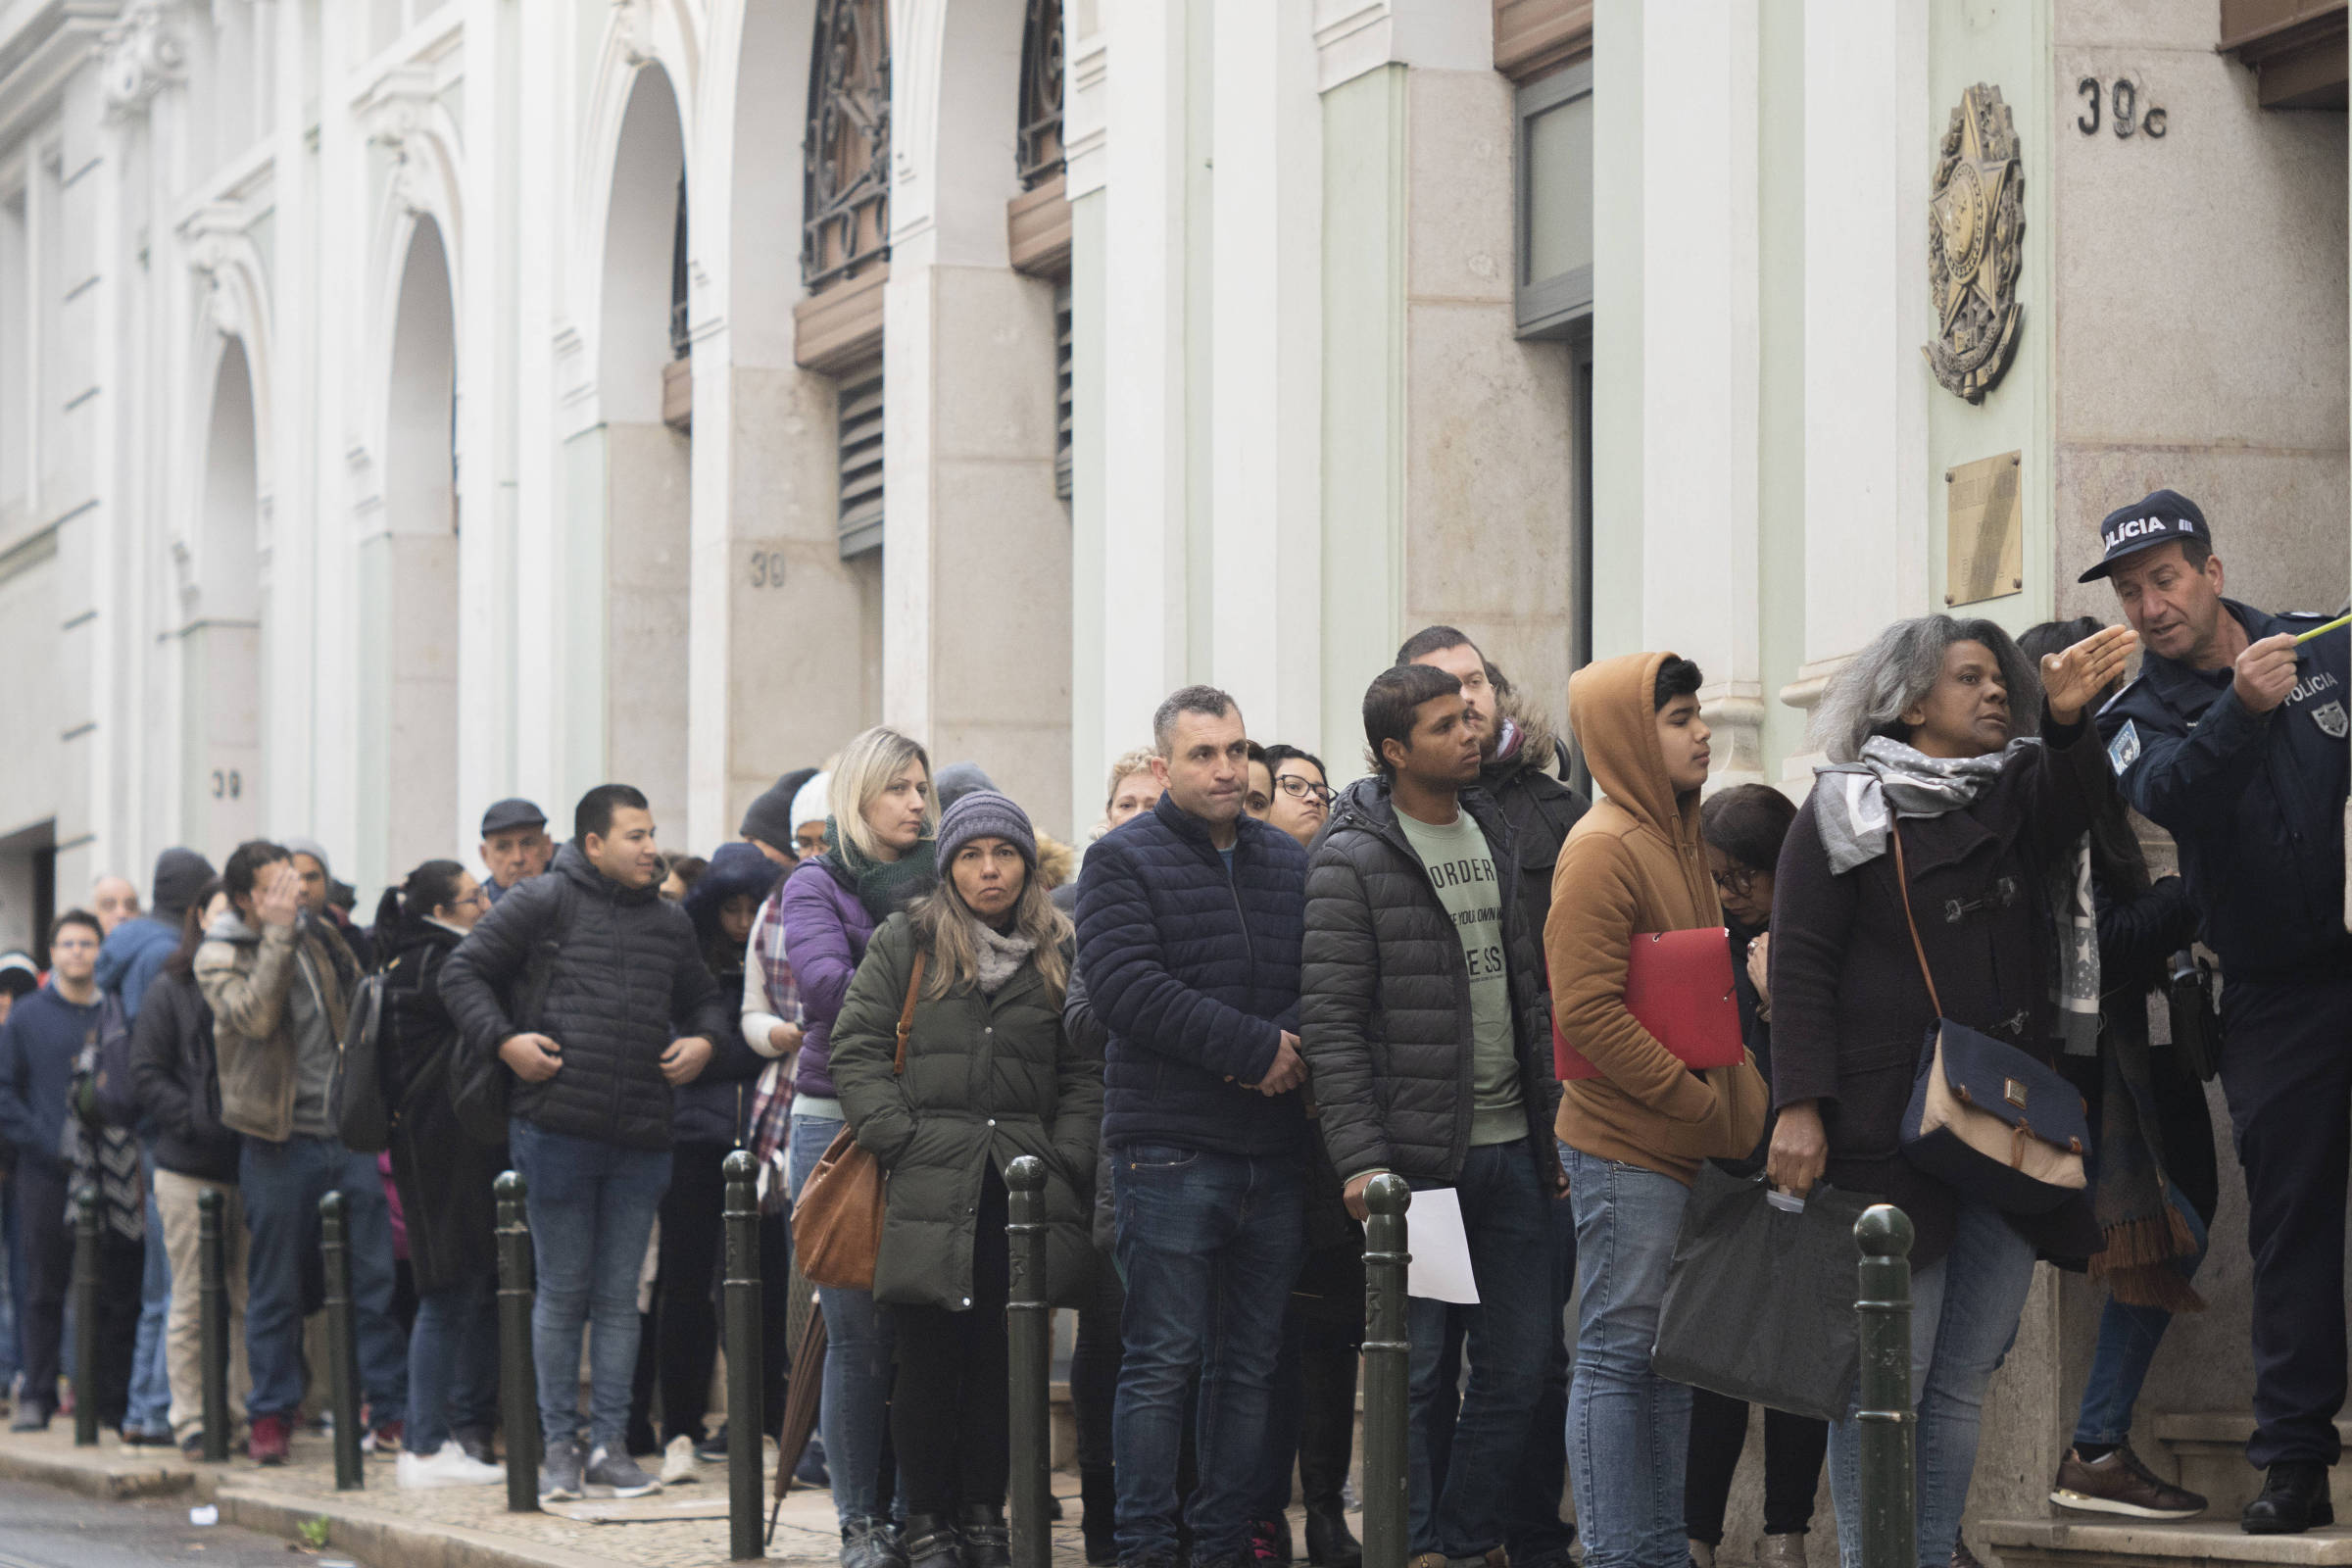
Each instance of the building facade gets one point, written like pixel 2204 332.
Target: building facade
pixel 406 404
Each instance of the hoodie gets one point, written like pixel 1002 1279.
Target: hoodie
pixel 133 954
pixel 1633 864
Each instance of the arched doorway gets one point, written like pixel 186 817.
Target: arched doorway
pixel 647 459
pixel 222 671
pixel 409 575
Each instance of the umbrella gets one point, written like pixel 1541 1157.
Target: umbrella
pixel 801 1400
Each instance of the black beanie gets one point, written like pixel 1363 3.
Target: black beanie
pixel 769 817
pixel 179 875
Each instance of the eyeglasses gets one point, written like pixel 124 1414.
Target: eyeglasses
pixel 1298 786
pixel 1736 883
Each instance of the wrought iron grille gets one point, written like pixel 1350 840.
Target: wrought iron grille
pixel 846 188
pixel 1040 152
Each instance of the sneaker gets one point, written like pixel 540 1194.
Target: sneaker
pixel 1962 1557
pixel 450 1467
pixel 271 1440
pixel 713 1449
pixel 680 1460
pixel 620 1473
pixel 2119 1483
pixel 1269 1542
pixel 146 1438
pixel 559 1472
pixel 385 1442
pixel 476 1441
pixel 30 1416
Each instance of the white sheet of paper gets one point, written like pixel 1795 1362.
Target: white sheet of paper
pixel 1441 1247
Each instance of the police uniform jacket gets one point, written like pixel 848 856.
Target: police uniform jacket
pixel 2254 801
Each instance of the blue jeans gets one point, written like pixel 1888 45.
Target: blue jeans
pixel 1507 1217
pixel 2127 1340
pixel 1965 1309
pixel 591 1207
pixel 150 1374
pixel 453 1362
pixel 281 1183
pixel 1629 1430
pixel 855 1411
pixel 1209 1245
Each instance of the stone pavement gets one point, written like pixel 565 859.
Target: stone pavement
pixel 460 1527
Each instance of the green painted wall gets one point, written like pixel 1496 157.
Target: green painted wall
pixel 2009 46
pixel 1780 356
pixel 1617 301
pixel 1364 217
pixel 1089 636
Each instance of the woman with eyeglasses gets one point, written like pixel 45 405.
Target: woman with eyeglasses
pixel 443 1177
pixel 1743 828
pixel 1297 792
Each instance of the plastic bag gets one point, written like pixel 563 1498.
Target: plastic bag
pixel 1760 1299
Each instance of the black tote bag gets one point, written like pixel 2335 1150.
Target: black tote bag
pixel 1760 1300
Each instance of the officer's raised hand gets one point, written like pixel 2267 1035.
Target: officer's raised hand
pixel 2073 679
pixel 2266 672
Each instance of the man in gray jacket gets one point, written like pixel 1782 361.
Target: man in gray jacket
pixel 278 982
pixel 1421 1025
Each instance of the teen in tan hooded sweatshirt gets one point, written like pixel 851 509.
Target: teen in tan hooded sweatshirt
pixel 1632 1139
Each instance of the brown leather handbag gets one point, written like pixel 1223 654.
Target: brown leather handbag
pixel 837 1220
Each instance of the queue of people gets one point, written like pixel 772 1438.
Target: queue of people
pixel 1255 996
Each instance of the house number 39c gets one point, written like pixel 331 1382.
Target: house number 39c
pixel 2125 113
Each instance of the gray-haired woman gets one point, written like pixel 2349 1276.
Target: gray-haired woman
pixel 1923 738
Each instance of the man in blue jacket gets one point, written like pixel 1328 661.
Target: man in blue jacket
pixel 1190 917
pixel 2233 739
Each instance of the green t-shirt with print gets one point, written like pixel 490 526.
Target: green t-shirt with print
pixel 1461 872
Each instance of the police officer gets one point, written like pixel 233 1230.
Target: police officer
pixel 2232 740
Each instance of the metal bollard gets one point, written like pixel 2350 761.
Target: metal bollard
pixel 1029 1326
pixel 1388 1373
pixel 1888 1417
pixel 342 1344
pixel 745 1309
pixel 212 1320
pixel 518 1374
pixel 85 1320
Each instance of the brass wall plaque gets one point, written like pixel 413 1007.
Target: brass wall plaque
pixel 1975 221
pixel 1983 534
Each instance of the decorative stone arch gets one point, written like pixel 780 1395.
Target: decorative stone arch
pixel 220 543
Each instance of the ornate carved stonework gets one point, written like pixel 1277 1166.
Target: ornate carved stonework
pixel 1976 222
pixel 844 207
pixel 139 55
pixel 1039 154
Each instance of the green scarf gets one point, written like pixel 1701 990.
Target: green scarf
pixel 885 887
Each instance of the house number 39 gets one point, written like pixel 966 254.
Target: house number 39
pixel 2120 98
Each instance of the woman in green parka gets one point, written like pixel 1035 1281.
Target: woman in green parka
pixel 990 1075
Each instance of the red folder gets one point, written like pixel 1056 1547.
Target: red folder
pixel 1677 986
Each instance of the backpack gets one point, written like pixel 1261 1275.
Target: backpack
pixel 112 1095
pixel 480 1082
pixel 355 1092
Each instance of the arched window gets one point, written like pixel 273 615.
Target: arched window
pixel 846 206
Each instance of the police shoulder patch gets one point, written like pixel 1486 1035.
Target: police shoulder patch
pixel 2333 720
pixel 2124 750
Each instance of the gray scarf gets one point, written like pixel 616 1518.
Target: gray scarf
pixel 1000 957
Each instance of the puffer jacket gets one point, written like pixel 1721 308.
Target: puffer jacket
pixel 627 980
pixel 713 1108
pixel 1384 1007
pixel 988 1079
pixel 178 1087
pixel 1634 865
pixel 442 1175
pixel 1195 972
pixel 246 977
pixel 825 930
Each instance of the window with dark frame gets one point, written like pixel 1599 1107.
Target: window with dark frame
pixel 1554 201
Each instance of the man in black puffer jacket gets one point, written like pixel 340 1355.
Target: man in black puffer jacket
pixel 626 1011
pixel 1189 920
pixel 1422 1026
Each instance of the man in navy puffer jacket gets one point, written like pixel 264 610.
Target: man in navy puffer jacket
pixel 1190 918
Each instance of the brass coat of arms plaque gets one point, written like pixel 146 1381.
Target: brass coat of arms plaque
pixel 1975 222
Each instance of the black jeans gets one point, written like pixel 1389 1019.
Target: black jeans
pixel 1095 1364
pixel 1312 1417
pixel 1793 1449
pixel 949 1415
pixel 685 1322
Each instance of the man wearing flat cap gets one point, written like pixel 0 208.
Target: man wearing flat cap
pixel 514 845
pixel 2233 739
